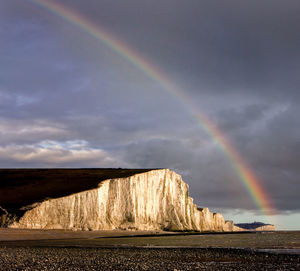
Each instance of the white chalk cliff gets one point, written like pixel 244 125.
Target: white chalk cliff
pixel 255 226
pixel 153 200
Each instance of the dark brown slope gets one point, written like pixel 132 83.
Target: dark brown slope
pixel 21 187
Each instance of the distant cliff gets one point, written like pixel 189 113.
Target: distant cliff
pixel 150 200
pixel 255 226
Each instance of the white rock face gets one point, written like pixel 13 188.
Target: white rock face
pixel 262 228
pixel 154 200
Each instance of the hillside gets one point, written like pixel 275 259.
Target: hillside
pixel 22 187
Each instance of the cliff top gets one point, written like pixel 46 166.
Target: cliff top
pixel 21 187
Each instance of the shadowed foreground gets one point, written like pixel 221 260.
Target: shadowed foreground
pixel 117 250
pixel 71 258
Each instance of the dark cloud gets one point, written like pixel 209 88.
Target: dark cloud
pixel 237 61
pixel 230 119
pixel 271 146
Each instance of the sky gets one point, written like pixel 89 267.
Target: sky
pixel 69 100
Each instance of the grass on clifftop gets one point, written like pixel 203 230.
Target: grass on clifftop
pixel 21 187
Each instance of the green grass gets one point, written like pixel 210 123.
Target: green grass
pixel 21 187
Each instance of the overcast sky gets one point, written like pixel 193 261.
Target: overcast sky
pixel 68 100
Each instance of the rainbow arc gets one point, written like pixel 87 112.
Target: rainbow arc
pixel 246 175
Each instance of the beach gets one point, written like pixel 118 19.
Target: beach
pixel 125 250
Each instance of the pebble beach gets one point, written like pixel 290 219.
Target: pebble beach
pixel 74 258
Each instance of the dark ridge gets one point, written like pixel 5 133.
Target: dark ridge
pixel 22 187
pixel 252 226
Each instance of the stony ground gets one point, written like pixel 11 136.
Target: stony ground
pixel 71 258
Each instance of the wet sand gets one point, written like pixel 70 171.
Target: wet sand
pixel 7 234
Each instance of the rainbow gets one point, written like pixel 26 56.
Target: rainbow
pixel 246 175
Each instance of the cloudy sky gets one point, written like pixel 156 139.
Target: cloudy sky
pixel 68 100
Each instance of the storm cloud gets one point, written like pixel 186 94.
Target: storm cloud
pixel 67 100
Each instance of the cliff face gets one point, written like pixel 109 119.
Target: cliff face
pixel 255 226
pixel 153 200
pixel 266 228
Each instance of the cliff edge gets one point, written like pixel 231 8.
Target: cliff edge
pixel 148 200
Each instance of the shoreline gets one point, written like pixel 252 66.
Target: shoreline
pixel 277 240
pixel 37 234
